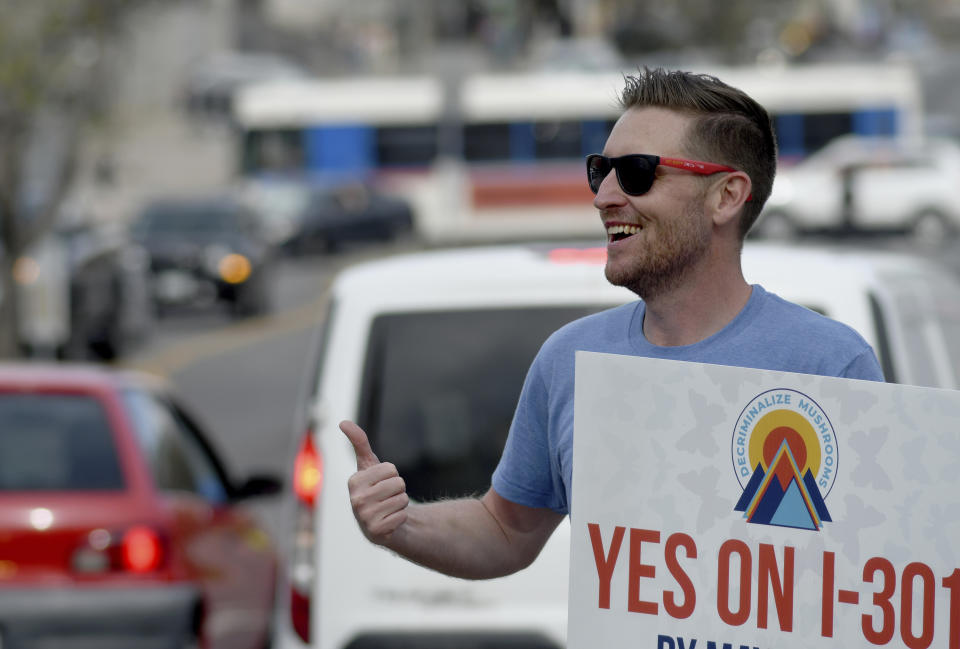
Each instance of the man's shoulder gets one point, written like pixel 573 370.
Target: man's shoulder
pixel 791 316
pixel 809 330
pixel 784 335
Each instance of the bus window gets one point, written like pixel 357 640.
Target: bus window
pixel 486 142
pixel 557 140
pixel 820 128
pixel 399 146
pixel 525 141
pixel 273 151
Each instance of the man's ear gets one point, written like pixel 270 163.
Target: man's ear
pixel 729 196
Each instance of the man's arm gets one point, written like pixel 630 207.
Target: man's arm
pixel 471 538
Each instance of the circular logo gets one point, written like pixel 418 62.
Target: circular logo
pixel 785 430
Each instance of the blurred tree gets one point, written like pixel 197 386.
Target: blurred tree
pixel 53 84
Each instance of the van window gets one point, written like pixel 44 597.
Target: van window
pixel 881 329
pixel 946 305
pixel 919 359
pixel 949 314
pixel 440 388
pixel 929 317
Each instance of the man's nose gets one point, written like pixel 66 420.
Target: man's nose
pixel 609 194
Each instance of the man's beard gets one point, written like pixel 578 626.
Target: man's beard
pixel 672 255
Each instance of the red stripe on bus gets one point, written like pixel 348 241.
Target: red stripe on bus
pixel 534 191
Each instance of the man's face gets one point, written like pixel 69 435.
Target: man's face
pixel 653 240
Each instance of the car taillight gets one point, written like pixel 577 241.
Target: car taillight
pixel 307 472
pixel 139 549
pixel 307 481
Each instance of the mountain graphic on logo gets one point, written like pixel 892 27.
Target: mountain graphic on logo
pixel 780 496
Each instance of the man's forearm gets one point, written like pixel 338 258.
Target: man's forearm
pixel 464 538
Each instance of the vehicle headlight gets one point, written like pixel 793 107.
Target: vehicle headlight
pixel 230 267
pixel 234 268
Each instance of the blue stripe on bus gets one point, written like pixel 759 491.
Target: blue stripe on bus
pixel 594 136
pixel 790 134
pixel 523 147
pixel 348 148
pixel 881 121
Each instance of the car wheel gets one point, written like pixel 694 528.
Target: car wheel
pixel 774 225
pixel 932 228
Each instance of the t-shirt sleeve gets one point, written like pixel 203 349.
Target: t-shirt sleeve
pixel 864 366
pixel 525 473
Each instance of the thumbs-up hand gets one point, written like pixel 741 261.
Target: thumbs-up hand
pixel 378 494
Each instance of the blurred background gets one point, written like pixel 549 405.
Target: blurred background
pixel 180 179
pixel 110 110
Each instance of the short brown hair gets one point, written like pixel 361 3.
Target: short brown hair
pixel 729 126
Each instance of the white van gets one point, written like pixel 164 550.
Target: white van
pixel 427 352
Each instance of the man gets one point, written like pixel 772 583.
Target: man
pixel 684 174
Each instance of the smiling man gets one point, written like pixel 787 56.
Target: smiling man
pixel 683 176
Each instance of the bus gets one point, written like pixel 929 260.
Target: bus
pixel 491 157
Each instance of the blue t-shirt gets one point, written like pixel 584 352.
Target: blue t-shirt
pixel 769 333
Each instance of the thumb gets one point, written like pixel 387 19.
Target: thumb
pixel 361 445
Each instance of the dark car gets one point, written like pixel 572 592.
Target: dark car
pixel 349 213
pixel 205 251
pixel 120 526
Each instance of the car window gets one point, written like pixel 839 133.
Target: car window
pixel 440 389
pixel 186 218
pixel 322 202
pixel 246 221
pixel 176 459
pixel 56 442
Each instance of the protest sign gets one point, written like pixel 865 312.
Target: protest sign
pixel 725 507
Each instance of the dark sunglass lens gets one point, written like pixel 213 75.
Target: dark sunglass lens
pixel 635 174
pixel 597 169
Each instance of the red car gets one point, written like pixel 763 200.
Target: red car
pixel 118 525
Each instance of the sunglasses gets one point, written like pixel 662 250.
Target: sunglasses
pixel 635 172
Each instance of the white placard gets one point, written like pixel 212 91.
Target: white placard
pixel 718 507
